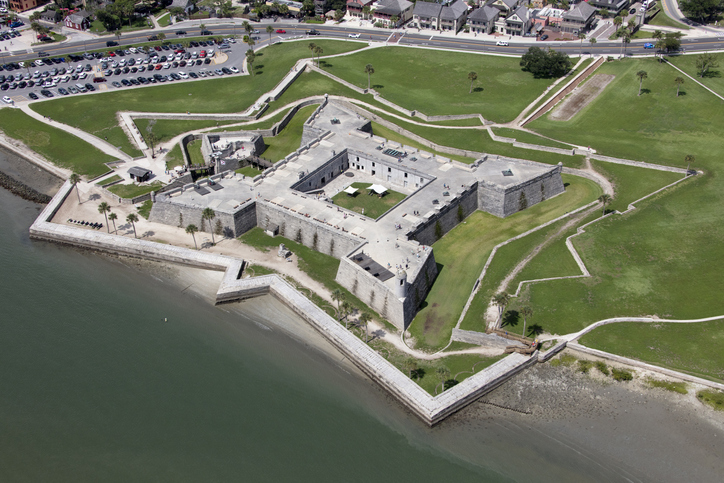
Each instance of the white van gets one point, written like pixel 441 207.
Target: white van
pixel 80 87
pixel 502 43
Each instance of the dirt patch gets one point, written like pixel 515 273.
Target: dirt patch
pixel 581 97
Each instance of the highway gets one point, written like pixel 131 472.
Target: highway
pixel 516 47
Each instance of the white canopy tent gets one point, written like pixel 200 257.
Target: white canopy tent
pixel 350 190
pixel 379 189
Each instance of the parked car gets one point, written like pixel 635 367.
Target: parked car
pixel 502 43
pixel 7 100
pixel 648 45
pixel 99 79
pixel 544 37
pixel 313 32
pixel 33 95
pixel 281 31
pixel 354 36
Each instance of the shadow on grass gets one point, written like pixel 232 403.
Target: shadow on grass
pixel 378 86
pixel 478 89
pixel 418 373
pixel 712 74
pixel 511 318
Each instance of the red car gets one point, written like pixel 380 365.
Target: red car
pixel 99 79
pixel 179 51
pixel 281 31
pixel 111 54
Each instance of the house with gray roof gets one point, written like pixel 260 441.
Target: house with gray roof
pixel 482 20
pixel 453 16
pixel 385 10
pixel 79 20
pixel 518 23
pixel 506 7
pixel 579 18
pixel 427 15
pixel 613 6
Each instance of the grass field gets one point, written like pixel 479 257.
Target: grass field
pixel 133 190
pixel 631 183
pixel 462 253
pixel 174 157
pixel 663 20
pixel 366 202
pixel 526 137
pixel 713 79
pixel 691 348
pixel 416 78
pixel 193 149
pixel 167 129
pixel 249 171
pixel 57 146
pixel 290 138
pixel 96 114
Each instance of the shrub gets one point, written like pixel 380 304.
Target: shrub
pixel 584 366
pixel 602 367
pixel 621 374
pixel 566 360
pixel 713 398
pixel 679 387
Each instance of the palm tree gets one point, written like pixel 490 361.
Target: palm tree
pixel 444 374
pixel 631 24
pixel 161 36
pixel 319 51
pixel 472 77
pixel 191 230
pixel 604 199
pixel 501 300
pixel 678 81
pixel 526 312
pixel 364 319
pixel 346 310
pixel 641 75
pixel 658 34
pixel 311 47
pixel 409 365
pixel 209 214
pixel 618 21
pixel 369 70
pixel 660 46
pixel 250 42
pixel 74 180
pixel 250 58
pixel 247 27
pixel 338 297
pixel 202 27
pixel 117 33
pixel 105 208
pixel 581 36
pixel 592 41
pixel 269 30
pixel 113 217
pixel 132 219
pixel 689 159
pixel 625 39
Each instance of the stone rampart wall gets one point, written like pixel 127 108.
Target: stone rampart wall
pixel 318 178
pixel 533 192
pixel 447 216
pixel 299 228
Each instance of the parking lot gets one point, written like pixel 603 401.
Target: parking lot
pixel 119 69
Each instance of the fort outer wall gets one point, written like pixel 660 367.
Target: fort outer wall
pixel 503 202
pixel 380 297
pixel 447 216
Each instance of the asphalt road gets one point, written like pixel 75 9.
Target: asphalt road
pixel 412 38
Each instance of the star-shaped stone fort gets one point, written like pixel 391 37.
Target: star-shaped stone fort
pixel 387 262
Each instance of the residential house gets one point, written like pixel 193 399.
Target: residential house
pixel 453 16
pixel 23 5
pixel 579 18
pixel 547 17
pixel 294 9
pixel 79 20
pixel 518 23
pixel 51 16
pixel 385 10
pixel 186 5
pixel 482 20
pixel 506 7
pixel 613 6
pixel 355 7
pixel 427 15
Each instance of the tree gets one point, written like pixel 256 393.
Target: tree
pixel 658 35
pixel 319 51
pixel 625 40
pixel 678 81
pixel 250 42
pixel 161 36
pixel 35 26
pixel 250 58
pixel 311 47
pixel 641 75
pixel 689 160
pixel 34 17
pixel 472 77
pixel 117 33
pixel 338 14
pixel 660 48
pixel 526 312
pixel 132 219
pixel 364 319
pixel 346 310
pixel 672 41
pixel 604 199
pixel 192 230
pixel 702 10
pixel 581 36
pixel 308 7
pixel 247 27
pixel 74 180
pixel 592 41
pixel 704 62
pixel 202 27
pixel 269 30
pixel 394 19
pixel 113 217
pixel 177 12
pixel 501 300
pixel 444 374
pixel 209 214
pixel 338 297
pixel 631 25
pixel 369 70
pixel 618 21
pixel 545 63
pixel 104 208
pixel 409 365
pixel 366 10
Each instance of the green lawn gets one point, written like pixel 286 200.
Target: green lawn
pixel 113 179
pixel 97 114
pixel 139 23
pixel 367 202
pixel 290 138
pixel 164 20
pixel 249 171
pixel 145 209
pixel 691 348
pixel 632 183
pixel 462 253
pixel 193 149
pixel 713 79
pixel 174 157
pixel 57 146
pixel 133 190
pixel 663 20
pixel 167 129
pixel 417 78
